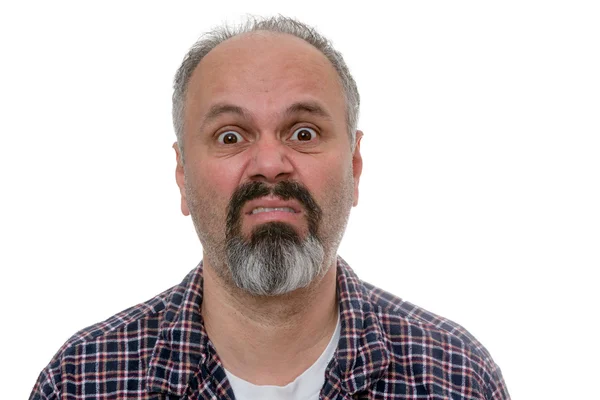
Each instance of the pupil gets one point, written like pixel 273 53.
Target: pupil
pixel 304 135
pixel 230 138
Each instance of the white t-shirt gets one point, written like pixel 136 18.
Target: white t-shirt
pixel 306 386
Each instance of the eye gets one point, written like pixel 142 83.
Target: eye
pixel 304 134
pixel 230 137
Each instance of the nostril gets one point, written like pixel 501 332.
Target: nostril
pixel 259 178
pixel 282 176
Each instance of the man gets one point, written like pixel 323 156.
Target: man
pixel 268 166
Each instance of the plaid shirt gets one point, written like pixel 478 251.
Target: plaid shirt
pixel 388 349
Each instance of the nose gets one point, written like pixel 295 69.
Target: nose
pixel 269 161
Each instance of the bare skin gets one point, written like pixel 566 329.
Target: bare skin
pixel 266 340
pixel 278 338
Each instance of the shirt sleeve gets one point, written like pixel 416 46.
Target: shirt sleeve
pixel 44 388
pixel 495 387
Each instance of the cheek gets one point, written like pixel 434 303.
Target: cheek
pixel 333 187
pixel 209 188
pixel 217 180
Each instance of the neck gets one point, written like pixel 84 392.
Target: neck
pixel 269 340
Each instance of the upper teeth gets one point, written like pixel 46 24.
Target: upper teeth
pixel 267 209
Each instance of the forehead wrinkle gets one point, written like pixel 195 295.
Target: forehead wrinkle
pixel 219 109
pixel 246 65
pixel 310 107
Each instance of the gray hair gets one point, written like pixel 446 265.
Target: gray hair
pixel 275 264
pixel 278 24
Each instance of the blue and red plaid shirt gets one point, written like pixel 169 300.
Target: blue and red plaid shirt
pixel 388 349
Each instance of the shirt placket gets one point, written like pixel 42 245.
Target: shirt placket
pixel 210 383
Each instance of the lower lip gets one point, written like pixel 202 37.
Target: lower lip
pixel 270 216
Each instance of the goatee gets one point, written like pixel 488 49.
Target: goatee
pixel 274 260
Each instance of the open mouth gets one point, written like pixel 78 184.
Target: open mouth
pixel 259 210
pixel 272 205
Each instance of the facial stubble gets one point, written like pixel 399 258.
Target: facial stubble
pixel 209 216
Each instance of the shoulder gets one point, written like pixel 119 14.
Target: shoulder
pixel 437 345
pixel 133 331
pixel 394 310
pixel 143 317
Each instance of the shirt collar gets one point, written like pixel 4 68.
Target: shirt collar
pixel 183 345
pixel 363 354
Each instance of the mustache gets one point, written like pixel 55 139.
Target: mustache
pixel 285 190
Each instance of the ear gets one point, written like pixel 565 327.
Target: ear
pixel 180 179
pixel 357 165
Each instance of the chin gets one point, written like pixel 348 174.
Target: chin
pixel 275 260
pixel 275 231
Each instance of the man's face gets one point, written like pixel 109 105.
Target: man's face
pixel 265 110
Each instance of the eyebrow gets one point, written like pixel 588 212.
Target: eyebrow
pixel 219 109
pixel 310 107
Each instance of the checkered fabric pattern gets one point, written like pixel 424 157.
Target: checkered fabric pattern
pixel 388 349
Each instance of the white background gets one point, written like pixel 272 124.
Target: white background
pixel 479 198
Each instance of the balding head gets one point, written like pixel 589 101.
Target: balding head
pixel 283 25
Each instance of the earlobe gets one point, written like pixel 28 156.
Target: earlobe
pixel 184 207
pixel 357 165
pixel 180 179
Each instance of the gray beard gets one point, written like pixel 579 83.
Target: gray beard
pixel 275 260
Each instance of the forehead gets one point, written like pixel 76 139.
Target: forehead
pixel 264 72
